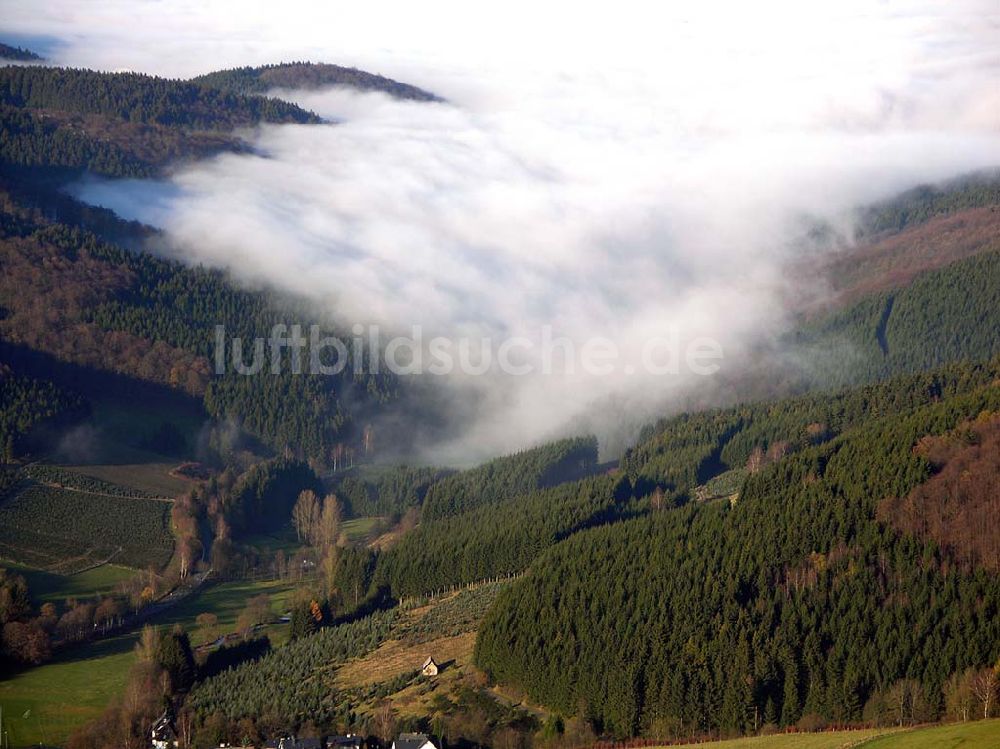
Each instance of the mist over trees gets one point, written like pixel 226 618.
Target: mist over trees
pixel 811 557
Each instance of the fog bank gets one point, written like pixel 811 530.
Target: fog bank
pixel 615 174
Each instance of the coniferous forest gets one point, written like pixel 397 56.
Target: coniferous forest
pixel 796 599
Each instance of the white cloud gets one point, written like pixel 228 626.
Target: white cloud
pixel 609 172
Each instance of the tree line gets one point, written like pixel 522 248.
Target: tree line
pixel 387 491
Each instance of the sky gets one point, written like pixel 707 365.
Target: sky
pixel 618 170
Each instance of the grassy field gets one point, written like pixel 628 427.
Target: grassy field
pixel 832 740
pixel 396 657
pixel 226 601
pixel 47 586
pixel 976 735
pixel 983 734
pixel 360 529
pixel 281 538
pixel 65 693
pixel 120 428
pixel 725 485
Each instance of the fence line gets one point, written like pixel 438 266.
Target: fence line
pixel 450 589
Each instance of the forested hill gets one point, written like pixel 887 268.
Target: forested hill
pixel 120 124
pixel 920 289
pixel 27 403
pixel 511 476
pixel 151 320
pixel 504 534
pixel 828 556
pixel 136 316
pixel 813 595
pixel 308 75
pixel 29 141
pixel 135 97
pixel 948 314
pixel 817 592
pixel 136 125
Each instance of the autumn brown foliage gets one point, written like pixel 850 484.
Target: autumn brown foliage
pixel 959 506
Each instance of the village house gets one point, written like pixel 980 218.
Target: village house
pixel 430 667
pixel 413 741
pixel 163 735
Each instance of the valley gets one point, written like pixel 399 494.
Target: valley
pixel 799 551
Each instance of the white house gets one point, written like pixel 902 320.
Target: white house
pixel 430 668
pixel 413 741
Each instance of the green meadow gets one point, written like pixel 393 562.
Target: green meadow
pixel 45 704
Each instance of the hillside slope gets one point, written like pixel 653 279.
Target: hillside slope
pixel 796 600
pixel 121 124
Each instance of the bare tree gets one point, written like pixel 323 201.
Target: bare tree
pixel 328 569
pixel 776 451
pixel 108 610
pixel 508 738
pixel 329 525
pixel 984 686
pixel 410 520
pixel 207 624
pixel 901 699
pixel 385 721
pixel 185 525
pixel 305 516
pixel 189 549
pixel 958 695
pixel 149 643
pixel 280 564
pixel 185 728
pixel 257 611
pixel 142 698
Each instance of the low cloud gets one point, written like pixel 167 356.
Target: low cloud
pixel 81 444
pixel 618 176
